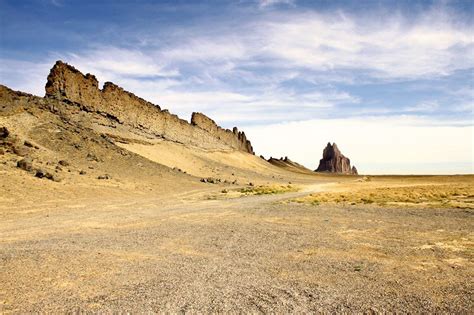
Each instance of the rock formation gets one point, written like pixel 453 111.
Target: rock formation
pixel 288 164
pixel 354 170
pixel 334 161
pixel 67 84
pixel 202 121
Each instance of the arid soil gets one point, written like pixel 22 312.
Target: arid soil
pixel 257 253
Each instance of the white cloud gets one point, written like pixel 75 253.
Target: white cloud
pixel 426 107
pixel 227 107
pixel 269 49
pixel 114 61
pixel 203 49
pixel 382 46
pixel 389 48
pixel 25 76
pixel 268 3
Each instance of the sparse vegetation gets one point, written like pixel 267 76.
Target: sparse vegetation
pixel 449 195
pixel 267 190
pixel 252 191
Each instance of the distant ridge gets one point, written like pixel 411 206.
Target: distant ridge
pixel 288 164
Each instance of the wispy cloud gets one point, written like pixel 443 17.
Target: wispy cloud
pixel 25 76
pixel 269 3
pixel 424 107
pixel 387 48
pixel 57 3
pixel 120 61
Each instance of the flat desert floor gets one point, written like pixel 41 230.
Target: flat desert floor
pixel 332 244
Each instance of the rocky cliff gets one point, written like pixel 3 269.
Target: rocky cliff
pixel 334 161
pixel 65 83
pixel 235 138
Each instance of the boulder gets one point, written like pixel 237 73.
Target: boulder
pixel 40 173
pixel 4 132
pixel 28 144
pixel 20 150
pixel 7 140
pixel 25 164
pixel 63 163
pixel 45 174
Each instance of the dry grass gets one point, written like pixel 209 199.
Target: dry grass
pixel 253 191
pixel 446 192
pixel 267 190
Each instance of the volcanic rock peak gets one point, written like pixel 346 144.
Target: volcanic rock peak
pixel 334 161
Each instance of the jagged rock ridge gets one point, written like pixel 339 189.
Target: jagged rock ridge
pixel 67 84
pixel 202 121
pixel 334 161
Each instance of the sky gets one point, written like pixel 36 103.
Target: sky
pixel 391 82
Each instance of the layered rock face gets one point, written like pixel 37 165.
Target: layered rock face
pixel 236 138
pixel 334 161
pixel 67 84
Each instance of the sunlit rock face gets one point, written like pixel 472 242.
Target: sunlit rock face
pixel 67 84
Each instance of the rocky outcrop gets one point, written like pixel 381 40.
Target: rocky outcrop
pixel 334 161
pixel 354 170
pixel 288 164
pixel 10 143
pixel 236 138
pixel 65 83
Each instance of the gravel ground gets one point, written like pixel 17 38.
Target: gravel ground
pixel 252 254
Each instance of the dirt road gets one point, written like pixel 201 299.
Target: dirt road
pixel 251 254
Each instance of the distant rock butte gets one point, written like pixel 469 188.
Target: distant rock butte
pixel 334 161
pixel 67 84
pixel 354 170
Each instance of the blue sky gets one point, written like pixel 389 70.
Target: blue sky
pixel 390 81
